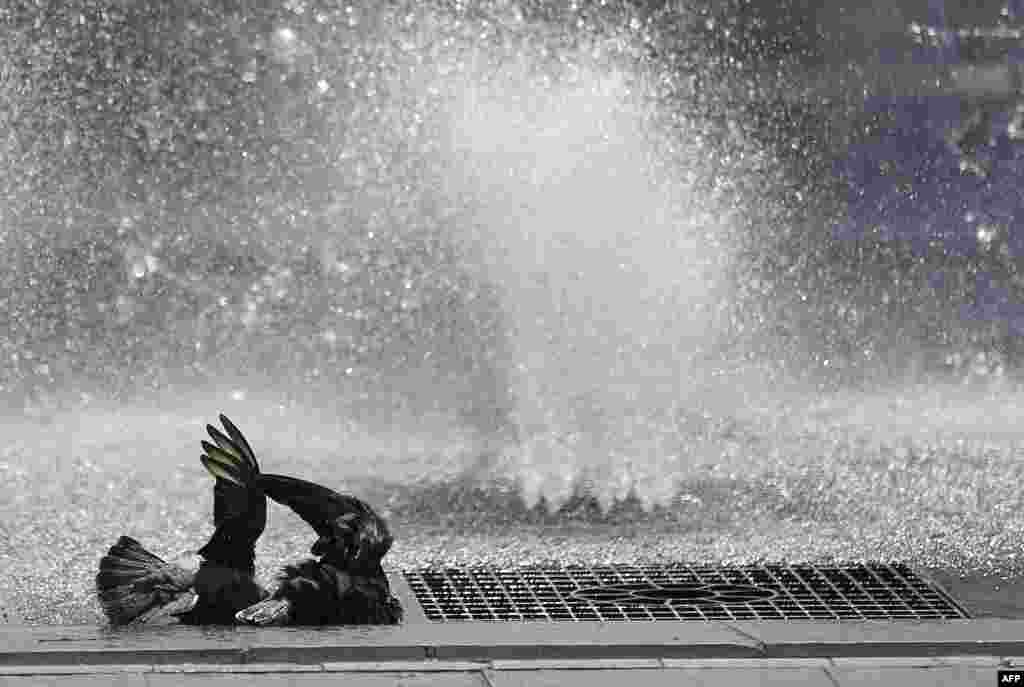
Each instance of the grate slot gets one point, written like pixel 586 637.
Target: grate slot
pixel 870 591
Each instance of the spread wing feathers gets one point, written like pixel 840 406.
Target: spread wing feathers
pixel 350 531
pixel 314 503
pixel 134 585
pixel 235 496
pixel 317 593
pixel 237 440
pixel 230 457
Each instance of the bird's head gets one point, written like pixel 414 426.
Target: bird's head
pixel 353 541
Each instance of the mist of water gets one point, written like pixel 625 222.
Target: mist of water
pixel 523 224
pixel 610 271
pixel 487 214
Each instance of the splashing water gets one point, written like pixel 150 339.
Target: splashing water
pixel 524 220
pixel 609 271
pixel 389 210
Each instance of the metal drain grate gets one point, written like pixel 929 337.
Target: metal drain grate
pixel 875 591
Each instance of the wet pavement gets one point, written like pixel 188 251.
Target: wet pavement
pixel 814 673
pixel 968 652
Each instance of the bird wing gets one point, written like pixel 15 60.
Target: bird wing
pixel 230 457
pixel 239 505
pixel 231 460
pixel 316 504
pixel 351 533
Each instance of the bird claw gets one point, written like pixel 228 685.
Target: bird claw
pixel 264 613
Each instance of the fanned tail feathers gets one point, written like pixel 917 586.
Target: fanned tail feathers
pixel 133 584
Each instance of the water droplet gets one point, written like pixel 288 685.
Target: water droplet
pixel 986 234
pixel 285 35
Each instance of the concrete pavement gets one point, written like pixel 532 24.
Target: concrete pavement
pixel 964 652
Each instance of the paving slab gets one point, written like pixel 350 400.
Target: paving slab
pixel 901 671
pixel 54 645
pixel 808 677
pixel 586 640
pixel 979 660
pixel 593 678
pixel 578 664
pixel 124 680
pixel 324 680
pixel 733 663
pixel 429 666
pixel 989 636
pixel 816 654
pixel 74 669
pixel 229 668
pixel 77 644
pixel 942 676
pixel 770 677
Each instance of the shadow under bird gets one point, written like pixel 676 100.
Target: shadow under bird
pixel 345 584
pixel 135 586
